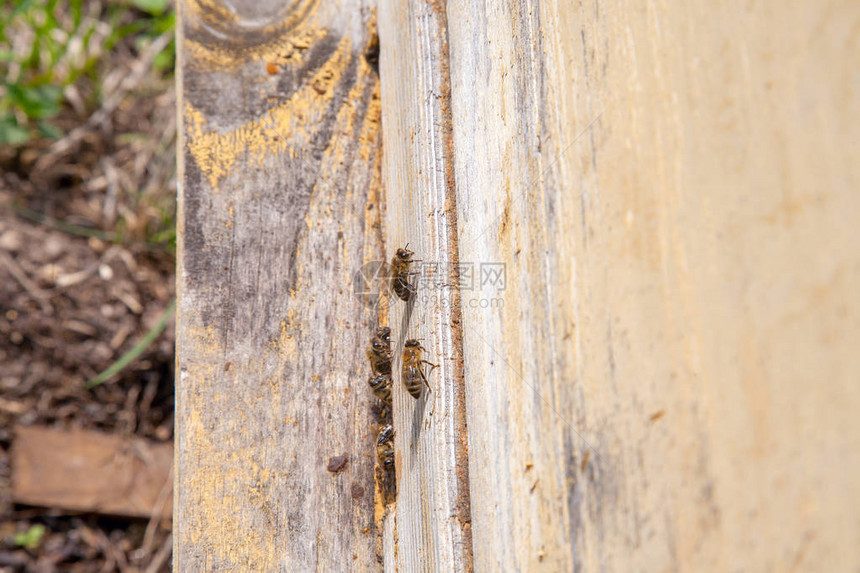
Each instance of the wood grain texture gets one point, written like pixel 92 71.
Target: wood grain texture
pixel 389 541
pixel 279 206
pixel 433 531
pixel 672 190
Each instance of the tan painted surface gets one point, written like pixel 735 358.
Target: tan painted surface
pixel 278 208
pixel 683 283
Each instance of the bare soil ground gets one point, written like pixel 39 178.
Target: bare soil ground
pixel 86 269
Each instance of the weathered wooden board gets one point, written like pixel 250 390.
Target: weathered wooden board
pixel 93 472
pixel 656 265
pixel 279 206
pixel 433 530
pixel 672 380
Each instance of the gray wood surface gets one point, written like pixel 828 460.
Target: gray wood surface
pixel 279 206
pixel 433 529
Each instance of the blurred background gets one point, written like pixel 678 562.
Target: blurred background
pixel 87 253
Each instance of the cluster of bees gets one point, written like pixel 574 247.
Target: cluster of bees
pixel 379 354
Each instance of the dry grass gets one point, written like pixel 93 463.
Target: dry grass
pixel 87 234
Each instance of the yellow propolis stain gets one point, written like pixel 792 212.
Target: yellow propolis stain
pixel 370 132
pixel 215 462
pixel 205 339
pixel 281 129
pixel 285 345
pixel 213 8
pixel 280 53
pixel 290 35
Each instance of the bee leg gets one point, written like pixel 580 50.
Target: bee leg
pixel 424 377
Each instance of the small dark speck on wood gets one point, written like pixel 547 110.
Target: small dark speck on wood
pixel 357 491
pixel 337 463
pixel 657 415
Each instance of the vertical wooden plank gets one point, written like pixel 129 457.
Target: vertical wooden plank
pixel 389 540
pixel 521 449
pixel 672 190
pixel 280 172
pixel 433 523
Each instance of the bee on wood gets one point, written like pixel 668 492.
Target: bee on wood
pixel 385 447
pixel 379 352
pixel 413 372
pixel 384 334
pixel 399 274
pixel 381 387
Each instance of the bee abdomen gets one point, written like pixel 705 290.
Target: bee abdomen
pixel 380 362
pixel 381 386
pixel 412 380
pixel 385 447
pixel 384 367
pixel 402 288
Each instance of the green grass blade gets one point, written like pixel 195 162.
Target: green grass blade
pixel 137 349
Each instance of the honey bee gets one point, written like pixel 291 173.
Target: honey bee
pixel 384 334
pixel 385 447
pixel 399 274
pixel 413 372
pixel 381 387
pixel 379 352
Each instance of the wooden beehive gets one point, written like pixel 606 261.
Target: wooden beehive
pixel 644 218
